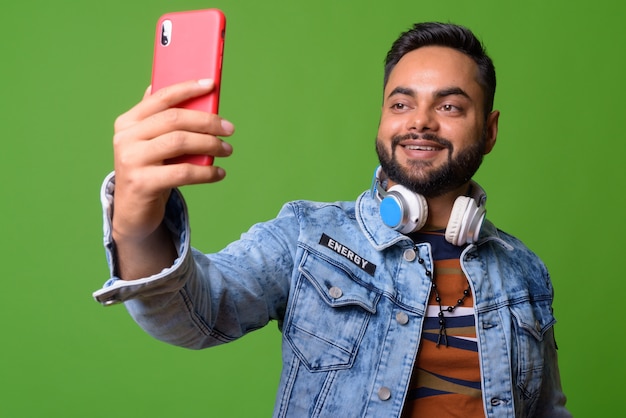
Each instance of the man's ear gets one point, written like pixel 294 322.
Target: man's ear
pixel 491 130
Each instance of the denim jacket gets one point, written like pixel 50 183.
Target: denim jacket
pixel 350 298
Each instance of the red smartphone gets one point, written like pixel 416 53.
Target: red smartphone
pixel 189 46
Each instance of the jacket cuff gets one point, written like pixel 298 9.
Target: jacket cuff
pixel 169 279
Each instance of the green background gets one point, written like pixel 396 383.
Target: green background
pixel 302 83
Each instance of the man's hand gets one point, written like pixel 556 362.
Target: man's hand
pixel 151 132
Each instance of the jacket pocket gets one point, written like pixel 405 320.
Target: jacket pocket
pixel 329 313
pixel 531 322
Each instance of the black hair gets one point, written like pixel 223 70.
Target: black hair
pixel 449 35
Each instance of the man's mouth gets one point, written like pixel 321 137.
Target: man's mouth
pixel 421 148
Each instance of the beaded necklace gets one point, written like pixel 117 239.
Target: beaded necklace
pixel 442 319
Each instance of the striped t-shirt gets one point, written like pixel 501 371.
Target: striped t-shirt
pixel 446 378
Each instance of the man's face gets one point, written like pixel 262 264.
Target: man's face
pixel 433 133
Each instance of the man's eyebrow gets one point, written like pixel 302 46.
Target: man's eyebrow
pixel 452 91
pixel 402 90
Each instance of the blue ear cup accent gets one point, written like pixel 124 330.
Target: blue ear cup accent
pixel 391 212
pixel 400 208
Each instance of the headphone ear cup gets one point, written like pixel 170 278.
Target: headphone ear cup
pixel 455 224
pixel 465 221
pixel 403 210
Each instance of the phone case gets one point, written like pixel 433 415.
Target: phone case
pixel 190 46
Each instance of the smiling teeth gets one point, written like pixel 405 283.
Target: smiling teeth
pixel 420 148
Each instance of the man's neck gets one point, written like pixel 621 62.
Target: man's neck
pixel 440 208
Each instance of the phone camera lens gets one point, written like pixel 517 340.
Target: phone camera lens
pixel 166 32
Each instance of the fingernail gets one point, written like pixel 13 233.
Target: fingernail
pixel 205 82
pixel 227 126
pixel 227 147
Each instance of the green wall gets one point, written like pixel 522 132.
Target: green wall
pixel 302 83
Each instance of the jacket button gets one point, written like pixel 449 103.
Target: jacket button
pixel 402 318
pixel 384 393
pixel 409 255
pixel 335 292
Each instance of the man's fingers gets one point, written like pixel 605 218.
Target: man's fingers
pixel 170 176
pixel 162 99
pixel 177 143
pixel 188 120
pixel 171 120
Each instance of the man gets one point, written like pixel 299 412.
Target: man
pixel 403 303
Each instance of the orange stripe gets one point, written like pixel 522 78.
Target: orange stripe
pixel 431 381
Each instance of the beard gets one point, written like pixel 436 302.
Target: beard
pixel 421 177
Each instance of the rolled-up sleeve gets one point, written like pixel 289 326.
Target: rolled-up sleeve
pixel 116 290
pixel 207 299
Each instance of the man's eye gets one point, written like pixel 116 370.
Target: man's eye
pixel 450 108
pixel 398 106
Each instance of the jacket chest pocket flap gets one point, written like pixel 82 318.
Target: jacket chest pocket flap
pixel 329 313
pixel 531 323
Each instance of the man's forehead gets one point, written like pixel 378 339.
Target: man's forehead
pixel 434 67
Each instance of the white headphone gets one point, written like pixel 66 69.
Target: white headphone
pixel 406 211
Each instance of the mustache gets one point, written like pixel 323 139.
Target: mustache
pixel 395 141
